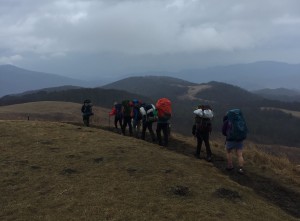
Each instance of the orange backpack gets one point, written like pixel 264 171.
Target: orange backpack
pixel 164 109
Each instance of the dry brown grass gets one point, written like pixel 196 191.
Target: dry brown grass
pixel 57 171
pixel 274 161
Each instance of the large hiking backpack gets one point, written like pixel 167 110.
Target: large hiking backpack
pixel 236 126
pixel 127 109
pixel 164 108
pixel 203 125
pixel 118 108
pixel 137 116
pixel 149 112
pixel 86 108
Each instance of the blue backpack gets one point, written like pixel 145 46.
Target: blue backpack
pixel 237 129
pixel 118 108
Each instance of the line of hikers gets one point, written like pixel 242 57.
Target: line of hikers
pixel 135 114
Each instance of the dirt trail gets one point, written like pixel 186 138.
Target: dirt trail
pixel 268 188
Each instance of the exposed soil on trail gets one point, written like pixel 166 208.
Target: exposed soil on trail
pixel 267 187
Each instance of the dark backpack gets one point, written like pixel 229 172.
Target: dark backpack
pixel 202 124
pixel 127 110
pixel 236 126
pixel 118 108
pixel 87 110
pixel 136 113
pixel 151 113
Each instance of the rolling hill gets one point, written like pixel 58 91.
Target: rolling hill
pixel 59 171
pixel 281 94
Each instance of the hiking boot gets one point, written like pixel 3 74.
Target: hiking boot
pixel 208 159
pixel 241 171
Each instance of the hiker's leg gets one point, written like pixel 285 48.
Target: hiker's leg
pixel 134 125
pixel 239 153
pixel 84 121
pixel 229 159
pixel 138 128
pixel 124 126
pixel 158 133
pixel 166 134
pixel 151 131
pixel 207 145
pixel 199 144
pixel 116 122
pixel 87 121
pixel 120 122
pixel 144 131
pixel 130 126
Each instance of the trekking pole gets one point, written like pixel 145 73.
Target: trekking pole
pixel 108 120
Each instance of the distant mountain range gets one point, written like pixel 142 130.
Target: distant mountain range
pixel 252 76
pixel 17 80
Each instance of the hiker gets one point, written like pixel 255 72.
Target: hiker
pixel 136 117
pixel 149 115
pixel 164 110
pixel 202 129
pixel 87 111
pixel 127 116
pixel 235 130
pixel 117 112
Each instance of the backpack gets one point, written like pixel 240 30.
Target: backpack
pixel 118 108
pixel 164 109
pixel 127 110
pixel 236 126
pixel 137 116
pixel 151 113
pixel 203 124
pixel 87 109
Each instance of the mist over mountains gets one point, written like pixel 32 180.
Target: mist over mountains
pixel 252 76
pixel 17 80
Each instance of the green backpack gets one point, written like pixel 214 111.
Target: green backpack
pixel 127 108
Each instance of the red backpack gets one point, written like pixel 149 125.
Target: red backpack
pixel 164 109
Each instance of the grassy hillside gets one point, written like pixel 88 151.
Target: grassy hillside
pixel 52 111
pixel 57 171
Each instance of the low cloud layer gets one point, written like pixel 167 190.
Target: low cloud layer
pixel 38 33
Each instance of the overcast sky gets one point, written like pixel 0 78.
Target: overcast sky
pixel 97 39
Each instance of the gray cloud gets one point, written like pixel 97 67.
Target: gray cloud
pixel 34 33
